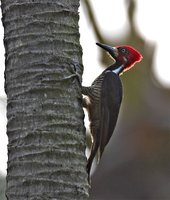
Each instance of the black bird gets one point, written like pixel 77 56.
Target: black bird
pixel 104 97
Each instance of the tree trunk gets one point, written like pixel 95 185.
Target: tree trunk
pixel 46 150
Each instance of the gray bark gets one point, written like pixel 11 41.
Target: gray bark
pixel 46 150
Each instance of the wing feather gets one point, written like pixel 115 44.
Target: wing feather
pixel 111 97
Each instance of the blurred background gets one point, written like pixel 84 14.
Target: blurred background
pixel 136 162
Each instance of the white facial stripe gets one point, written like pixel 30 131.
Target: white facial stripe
pixel 125 59
pixel 118 70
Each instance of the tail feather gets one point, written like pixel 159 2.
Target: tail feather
pixel 94 149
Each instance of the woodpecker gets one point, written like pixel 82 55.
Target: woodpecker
pixel 104 96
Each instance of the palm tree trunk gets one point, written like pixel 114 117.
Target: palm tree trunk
pixel 46 150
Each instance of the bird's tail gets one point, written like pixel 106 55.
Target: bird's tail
pixel 94 149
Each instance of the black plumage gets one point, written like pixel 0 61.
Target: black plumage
pixel 105 96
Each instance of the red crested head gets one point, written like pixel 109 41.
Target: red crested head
pixel 128 56
pixel 124 55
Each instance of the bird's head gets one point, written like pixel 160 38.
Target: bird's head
pixel 125 56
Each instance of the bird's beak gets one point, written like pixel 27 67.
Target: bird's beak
pixel 113 51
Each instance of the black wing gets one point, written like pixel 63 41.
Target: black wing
pixel 111 97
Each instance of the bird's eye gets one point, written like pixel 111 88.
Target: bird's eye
pixel 123 50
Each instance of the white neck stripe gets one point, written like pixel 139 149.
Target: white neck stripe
pixel 118 70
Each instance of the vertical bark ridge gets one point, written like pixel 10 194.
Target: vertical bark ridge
pixel 46 158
